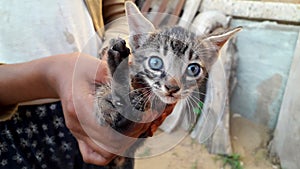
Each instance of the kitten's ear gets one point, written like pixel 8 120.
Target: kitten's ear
pixel 138 24
pixel 220 39
pixel 214 43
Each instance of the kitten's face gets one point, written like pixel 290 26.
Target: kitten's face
pixel 169 62
pixel 172 61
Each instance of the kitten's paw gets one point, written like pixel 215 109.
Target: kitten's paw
pixel 119 45
pixel 117 53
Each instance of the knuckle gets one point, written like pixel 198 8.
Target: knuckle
pixel 98 161
pixel 70 125
pixel 68 103
pixel 87 159
pixel 104 162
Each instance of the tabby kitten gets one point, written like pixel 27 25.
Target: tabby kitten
pixel 164 67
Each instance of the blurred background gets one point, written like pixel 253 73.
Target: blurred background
pixel 260 126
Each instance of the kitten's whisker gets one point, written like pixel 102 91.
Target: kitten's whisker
pixel 151 98
pixel 143 88
pixel 197 92
pixel 202 113
pixel 143 96
pixel 197 100
pixel 138 90
pixel 190 110
pixel 153 115
pixel 195 105
pixel 148 99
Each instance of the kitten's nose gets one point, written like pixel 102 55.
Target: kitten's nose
pixel 172 88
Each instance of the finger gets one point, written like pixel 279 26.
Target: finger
pixel 71 119
pixel 102 74
pixel 97 148
pixel 91 156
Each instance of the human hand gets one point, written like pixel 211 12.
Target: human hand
pixel 74 77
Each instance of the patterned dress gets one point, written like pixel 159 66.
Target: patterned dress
pixel 36 138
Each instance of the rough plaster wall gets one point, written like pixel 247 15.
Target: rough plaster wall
pixel 286 142
pixel 265 53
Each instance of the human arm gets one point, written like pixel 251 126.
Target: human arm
pixel 25 82
pixel 49 78
pixel 53 77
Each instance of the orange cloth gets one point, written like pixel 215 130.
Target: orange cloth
pixel 103 12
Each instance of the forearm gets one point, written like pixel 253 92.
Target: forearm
pixel 25 82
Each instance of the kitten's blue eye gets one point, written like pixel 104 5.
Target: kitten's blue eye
pixel 155 63
pixel 193 69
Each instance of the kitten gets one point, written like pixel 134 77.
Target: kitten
pixel 164 67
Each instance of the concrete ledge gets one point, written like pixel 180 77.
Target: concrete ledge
pixel 275 11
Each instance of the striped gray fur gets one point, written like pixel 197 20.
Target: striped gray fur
pixel 167 65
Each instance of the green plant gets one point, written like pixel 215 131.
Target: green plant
pixel 194 165
pixel 198 108
pixel 232 160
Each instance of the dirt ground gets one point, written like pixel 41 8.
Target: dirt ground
pixel 248 140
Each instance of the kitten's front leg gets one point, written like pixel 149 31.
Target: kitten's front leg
pixel 113 100
pixel 117 53
pixel 106 111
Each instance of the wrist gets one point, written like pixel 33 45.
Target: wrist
pixel 47 76
pixel 59 71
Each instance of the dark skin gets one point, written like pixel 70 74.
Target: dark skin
pixel 52 77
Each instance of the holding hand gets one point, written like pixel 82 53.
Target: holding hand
pixel 72 78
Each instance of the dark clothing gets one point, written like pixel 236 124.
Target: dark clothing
pixel 36 137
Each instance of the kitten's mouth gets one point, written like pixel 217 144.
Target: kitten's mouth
pixel 166 98
pixel 169 99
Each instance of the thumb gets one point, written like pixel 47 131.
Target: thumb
pixel 102 75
